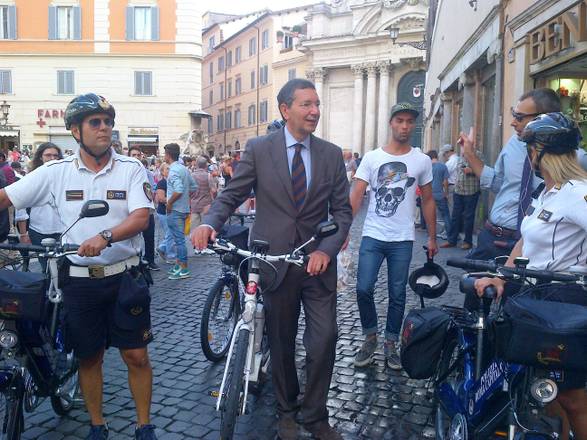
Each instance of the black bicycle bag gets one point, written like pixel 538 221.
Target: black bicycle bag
pixel 23 295
pixel 423 335
pixel 540 333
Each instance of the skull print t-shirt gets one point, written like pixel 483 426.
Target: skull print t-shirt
pixel 392 201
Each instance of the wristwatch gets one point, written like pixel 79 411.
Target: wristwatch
pixel 106 234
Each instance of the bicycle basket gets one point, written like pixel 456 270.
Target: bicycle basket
pixel 22 295
pixel 423 335
pixel 542 333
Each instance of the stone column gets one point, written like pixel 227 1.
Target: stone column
pixel 446 121
pixel 383 112
pixel 318 75
pixel 358 146
pixel 468 83
pixel 370 110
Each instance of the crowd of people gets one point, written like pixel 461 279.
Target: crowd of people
pixel 292 180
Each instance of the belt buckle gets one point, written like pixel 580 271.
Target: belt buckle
pixel 498 231
pixel 96 271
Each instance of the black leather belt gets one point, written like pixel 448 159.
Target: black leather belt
pixel 500 232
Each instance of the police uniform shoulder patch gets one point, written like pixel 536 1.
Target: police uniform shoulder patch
pixel 148 191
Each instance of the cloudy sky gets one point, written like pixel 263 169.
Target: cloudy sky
pixel 242 7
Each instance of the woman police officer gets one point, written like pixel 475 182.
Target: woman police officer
pixel 554 231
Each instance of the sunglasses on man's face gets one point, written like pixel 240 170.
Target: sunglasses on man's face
pixel 97 122
pixel 520 116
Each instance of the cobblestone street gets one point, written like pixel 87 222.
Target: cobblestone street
pixel 368 403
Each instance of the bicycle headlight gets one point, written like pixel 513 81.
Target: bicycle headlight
pixel 8 339
pixel 543 390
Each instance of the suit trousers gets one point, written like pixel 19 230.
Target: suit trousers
pixel 283 306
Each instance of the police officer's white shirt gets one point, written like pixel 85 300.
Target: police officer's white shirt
pixel 66 184
pixel 555 228
pixel 43 219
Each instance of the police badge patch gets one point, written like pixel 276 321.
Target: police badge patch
pixel 148 191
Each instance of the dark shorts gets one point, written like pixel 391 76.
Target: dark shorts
pixel 91 317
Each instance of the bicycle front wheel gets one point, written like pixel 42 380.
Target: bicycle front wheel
pixel 219 318
pixel 233 395
pixel 11 410
pixel 64 398
pixel 444 425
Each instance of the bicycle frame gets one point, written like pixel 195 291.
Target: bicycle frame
pixel 246 321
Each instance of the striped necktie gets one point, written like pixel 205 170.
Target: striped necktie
pixel 298 177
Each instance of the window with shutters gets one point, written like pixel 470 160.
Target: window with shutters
pixel 237 86
pixel 143 83
pixel 221 91
pixel 263 111
pixel 211 72
pixel 211 96
pixel 142 23
pixel 237 55
pixel 65 84
pixel 229 88
pixel 237 118
pixel 264 75
pixel 265 39
pixel 65 23
pixel 210 126
pixel 228 120
pixel 253 82
pixel 211 43
pixel 221 64
pixel 288 42
pixel 220 121
pixel 252 114
pixel 291 74
pixel 7 22
pixel 229 59
pixel 252 46
pixel 5 82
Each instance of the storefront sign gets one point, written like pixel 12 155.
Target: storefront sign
pixel 143 131
pixel 559 33
pixel 46 113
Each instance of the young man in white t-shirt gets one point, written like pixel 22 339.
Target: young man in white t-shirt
pixel 393 172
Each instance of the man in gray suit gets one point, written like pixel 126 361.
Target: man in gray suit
pixel 298 180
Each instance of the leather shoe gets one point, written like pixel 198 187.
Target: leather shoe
pixel 466 246
pixel 447 245
pixel 287 428
pixel 323 431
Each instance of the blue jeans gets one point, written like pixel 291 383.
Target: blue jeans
pixel 166 246
pixel 444 214
pixel 371 254
pixel 176 225
pixel 463 214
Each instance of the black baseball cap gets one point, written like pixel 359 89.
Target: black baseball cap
pixel 403 107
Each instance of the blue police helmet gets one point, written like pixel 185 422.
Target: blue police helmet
pixel 556 132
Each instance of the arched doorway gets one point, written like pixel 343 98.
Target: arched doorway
pixel 411 90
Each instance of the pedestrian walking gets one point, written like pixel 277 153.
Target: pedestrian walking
pixel 394 172
pixel 179 185
pixel 104 282
pixel 166 247
pixel 440 176
pixel 201 199
pixel 299 181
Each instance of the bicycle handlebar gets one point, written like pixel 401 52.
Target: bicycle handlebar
pixel 21 247
pixel 223 245
pixel 467 285
pixel 512 273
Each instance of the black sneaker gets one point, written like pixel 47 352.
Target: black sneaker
pixel 154 266
pixel 98 432
pixel 145 432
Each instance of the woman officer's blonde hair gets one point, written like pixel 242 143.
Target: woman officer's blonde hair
pixel 561 167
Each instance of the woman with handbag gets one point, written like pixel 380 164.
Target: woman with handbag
pixel 554 236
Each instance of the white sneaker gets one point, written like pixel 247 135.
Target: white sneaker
pixel 197 252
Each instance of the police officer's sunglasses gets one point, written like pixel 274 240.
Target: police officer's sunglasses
pixel 520 116
pixel 97 122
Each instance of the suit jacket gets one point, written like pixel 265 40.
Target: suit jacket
pixel 264 168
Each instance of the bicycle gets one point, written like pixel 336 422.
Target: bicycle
pixel 248 342
pixel 35 361
pixel 482 398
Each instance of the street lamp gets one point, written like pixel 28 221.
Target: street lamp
pixel 4 109
pixel 394 34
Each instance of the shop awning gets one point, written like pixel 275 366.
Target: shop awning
pixel 143 139
pixel 200 113
pixel 9 133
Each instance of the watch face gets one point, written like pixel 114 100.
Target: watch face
pixel 107 234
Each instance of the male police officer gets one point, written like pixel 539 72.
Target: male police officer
pixel 105 298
